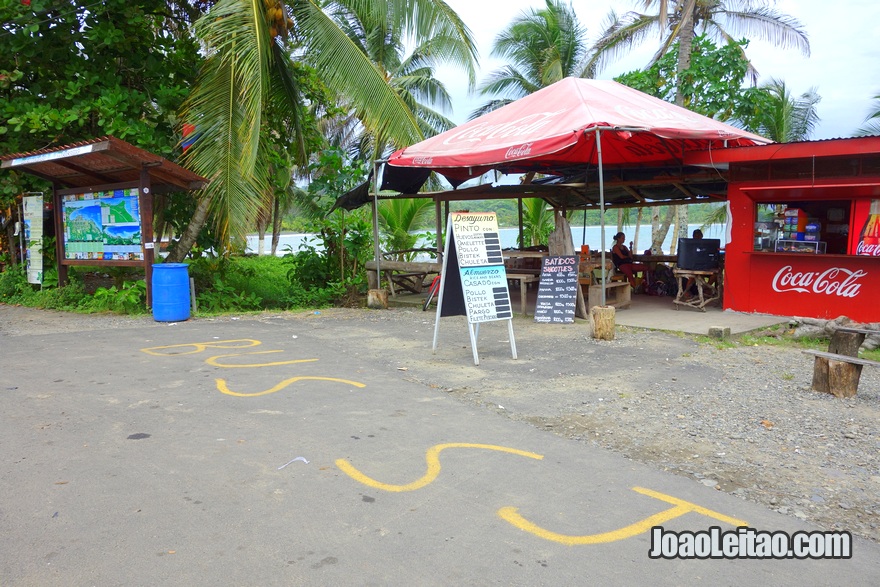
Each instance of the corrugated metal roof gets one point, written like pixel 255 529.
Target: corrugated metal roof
pixel 102 161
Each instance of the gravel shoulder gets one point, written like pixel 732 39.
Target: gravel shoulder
pixel 740 419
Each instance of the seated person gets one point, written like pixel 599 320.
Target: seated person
pixel 623 260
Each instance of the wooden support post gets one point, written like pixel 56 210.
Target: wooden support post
pixel 843 378
pixel 846 343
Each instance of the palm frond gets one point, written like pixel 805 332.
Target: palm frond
pixel 226 105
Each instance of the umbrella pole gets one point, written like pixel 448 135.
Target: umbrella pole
pixel 376 252
pixel 601 208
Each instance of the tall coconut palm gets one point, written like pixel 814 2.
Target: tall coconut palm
pixel 784 118
pixel 681 20
pixel 410 73
pixel 251 45
pixel 872 122
pixel 541 46
pixel 678 21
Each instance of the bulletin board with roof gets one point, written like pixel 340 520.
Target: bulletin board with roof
pixel 102 200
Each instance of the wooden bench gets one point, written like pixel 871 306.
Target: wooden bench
pixel 618 294
pixel 837 374
pixel 524 280
pixel 838 371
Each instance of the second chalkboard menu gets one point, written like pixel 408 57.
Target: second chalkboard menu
pixel 557 290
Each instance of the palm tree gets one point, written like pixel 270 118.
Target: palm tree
pixel 783 118
pixel 538 222
pixel 681 20
pixel 872 122
pixel 410 75
pixel 251 48
pixel 399 218
pixel 542 46
pixel 678 21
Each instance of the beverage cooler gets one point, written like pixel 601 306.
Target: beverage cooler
pixel 869 237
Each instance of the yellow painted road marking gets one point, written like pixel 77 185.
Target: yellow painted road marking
pixel 681 507
pixel 432 458
pixel 223 388
pixel 213 360
pixel 693 507
pixel 198 347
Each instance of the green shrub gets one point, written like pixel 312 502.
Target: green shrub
pixel 128 299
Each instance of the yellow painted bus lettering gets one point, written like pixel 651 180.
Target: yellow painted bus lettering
pixel 223 388
pixel 432 459
pixel 680 508
pixel 197 347
pixel 214 360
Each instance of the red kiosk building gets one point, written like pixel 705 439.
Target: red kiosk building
pixel 805 236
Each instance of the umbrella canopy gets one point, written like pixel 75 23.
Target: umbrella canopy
pixel 551 130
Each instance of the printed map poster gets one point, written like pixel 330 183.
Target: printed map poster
pixel 103 226
pixel 481 266
pixel 33 234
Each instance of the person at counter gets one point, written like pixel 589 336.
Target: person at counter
pixel 689 288
pixel 623 260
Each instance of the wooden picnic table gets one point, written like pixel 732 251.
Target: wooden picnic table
pixel 709 280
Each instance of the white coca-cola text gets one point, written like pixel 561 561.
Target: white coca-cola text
pixel 870 250
pixel 522 128
pixel 835 281
pixel 520 151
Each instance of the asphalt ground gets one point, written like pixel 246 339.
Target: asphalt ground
pixel 168 454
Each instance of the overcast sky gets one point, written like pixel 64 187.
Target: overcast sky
pixel 844 65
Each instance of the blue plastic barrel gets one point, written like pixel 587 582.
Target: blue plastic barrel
pixel 170 292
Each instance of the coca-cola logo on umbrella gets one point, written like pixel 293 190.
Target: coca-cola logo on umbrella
pixel 520 128
pixel 835 281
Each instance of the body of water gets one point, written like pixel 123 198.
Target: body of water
pixel 591 235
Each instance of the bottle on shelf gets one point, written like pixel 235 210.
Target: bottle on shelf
pixel 869 238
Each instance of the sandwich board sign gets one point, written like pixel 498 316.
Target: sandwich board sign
pixel 473 280
pixel 557 290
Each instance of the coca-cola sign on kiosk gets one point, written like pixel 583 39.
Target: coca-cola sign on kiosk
pixel 817 286
pixel 834 281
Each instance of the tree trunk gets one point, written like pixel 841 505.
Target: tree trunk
pixel 638 226
pixel 276 224
pixel 685 43
pixel 261 239
pixel 560 242
pixel 659 229
pixel 160 202
pixel 681 227
pixel 189 236
pixel 684 220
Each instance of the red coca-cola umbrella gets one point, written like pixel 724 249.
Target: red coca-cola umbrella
pixel 559 126
pixel 570 123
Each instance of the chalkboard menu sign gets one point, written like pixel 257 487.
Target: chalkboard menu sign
pixel 557 290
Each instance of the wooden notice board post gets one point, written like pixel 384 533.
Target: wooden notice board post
pixel 472 260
